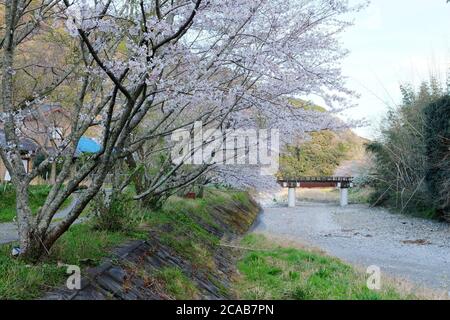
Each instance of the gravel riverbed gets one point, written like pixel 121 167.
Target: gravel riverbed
pixel 405 247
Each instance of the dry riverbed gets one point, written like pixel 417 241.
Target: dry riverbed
pixel 404 247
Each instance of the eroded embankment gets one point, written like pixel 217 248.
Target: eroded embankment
pixel 181 259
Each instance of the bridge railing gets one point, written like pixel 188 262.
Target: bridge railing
pixel 342 182
pixel 318 179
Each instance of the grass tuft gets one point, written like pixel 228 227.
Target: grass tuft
pixel 177 284
pixel 274 272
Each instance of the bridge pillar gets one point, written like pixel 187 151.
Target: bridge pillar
pixel 291 198
pixel 344 197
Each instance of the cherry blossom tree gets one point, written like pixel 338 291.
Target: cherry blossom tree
pixel 251 63
pixel 147 68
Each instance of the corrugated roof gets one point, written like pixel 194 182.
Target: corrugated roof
pixel 44 110
pixel 26 144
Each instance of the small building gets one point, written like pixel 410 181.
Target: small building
pixel 44 128
pixel 28 149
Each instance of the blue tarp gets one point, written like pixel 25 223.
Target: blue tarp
pixel 88 145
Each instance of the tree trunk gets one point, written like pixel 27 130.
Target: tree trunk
pixel 53 174
pixel 23 213
pixel 25 221
pixel 31 242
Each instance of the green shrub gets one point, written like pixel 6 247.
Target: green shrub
pixel 437 137
pixel 114 211
pixel 400 154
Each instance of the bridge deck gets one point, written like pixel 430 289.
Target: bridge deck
pixel 317 182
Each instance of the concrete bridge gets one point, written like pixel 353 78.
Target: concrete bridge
pixel 344 183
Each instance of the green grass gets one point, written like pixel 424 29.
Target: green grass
pixel 355 195
pixel 273 272
pixel 181 224
pixel 37 196
pixel 177 284
pixel 81 245
pixel 360 195
pixel 179 220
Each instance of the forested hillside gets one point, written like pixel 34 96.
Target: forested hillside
pixel 320 153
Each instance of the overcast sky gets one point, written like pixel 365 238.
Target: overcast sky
pixel 393 42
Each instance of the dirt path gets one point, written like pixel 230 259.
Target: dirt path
pixel 413 249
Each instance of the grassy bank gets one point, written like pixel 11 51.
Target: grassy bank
pixel 37 197
pixel 190 227
pixel 270 271
pixel 81 245
pixel 192 231
pixel 186 226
